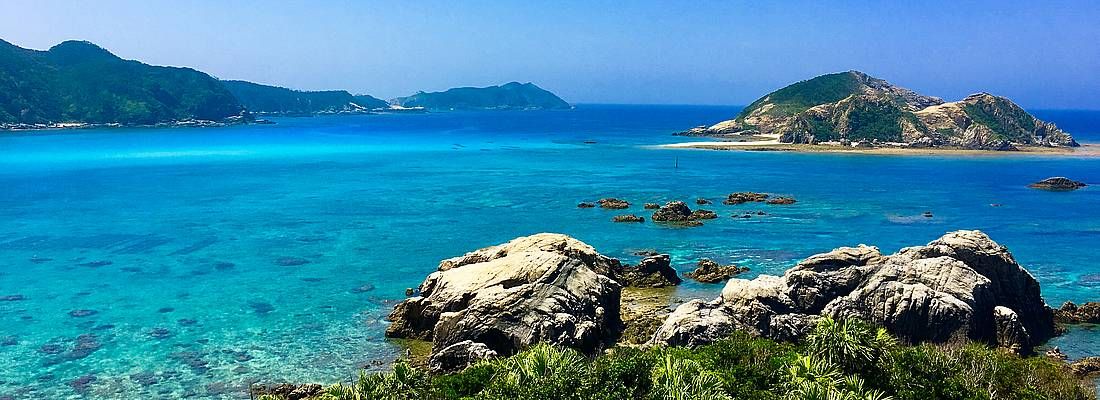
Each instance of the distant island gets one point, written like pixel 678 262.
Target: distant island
pixel 853 109
pixel 509 96
pixel 78 84
pixel 266 99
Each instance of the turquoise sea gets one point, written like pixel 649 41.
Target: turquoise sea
pixel 188 263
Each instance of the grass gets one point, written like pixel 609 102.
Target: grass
pixel 839 360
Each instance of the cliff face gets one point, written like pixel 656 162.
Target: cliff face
pixel 852 107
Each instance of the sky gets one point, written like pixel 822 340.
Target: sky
pixel 1042 54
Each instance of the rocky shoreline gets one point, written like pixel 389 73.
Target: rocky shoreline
pixel 555 289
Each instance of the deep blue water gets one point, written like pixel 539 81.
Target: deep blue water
pixel 211 258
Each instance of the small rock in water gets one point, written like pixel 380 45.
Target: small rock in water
pixel 38 260
pixel 224 266
pixel 363 289
pixel 744 197
pixel 702 201
pixel 627 218
pixel 703 214
pixel 97 263
pixel 164 310
pixel 585 204
pixel 9 340
pixel 645 253
pixel 82 313
pixel 781 200
pixel 410 292
pixel 927 214
pixel 12 297
pixel 291 261
pixel 613 203
pixel 1057 184
pixel 160 333
pixel 651 206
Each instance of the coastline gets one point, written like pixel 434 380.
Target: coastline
pixel 1086 149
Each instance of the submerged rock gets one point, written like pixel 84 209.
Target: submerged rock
pixel 1057 183
pixel 291 261
pixel 627 218
pixel 960 286
pixel 504 298
pixel 585 204
pixel 613 203
pixel 702 201
pixel 652 271
pixel 82 313
pixel 708 271
pixel 13 297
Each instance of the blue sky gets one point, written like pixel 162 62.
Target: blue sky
pixel 1041 54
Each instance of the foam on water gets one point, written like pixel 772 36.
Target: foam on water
pixel 192 262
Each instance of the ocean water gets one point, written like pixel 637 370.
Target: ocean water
pixel 189 263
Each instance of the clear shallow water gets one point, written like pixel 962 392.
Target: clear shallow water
pixel 211 258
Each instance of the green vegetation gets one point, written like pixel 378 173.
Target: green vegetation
pixel 512 95
pixel 838 361
pixel 801 96
pixel 1007 121
pixel 81 82
pixel 272 99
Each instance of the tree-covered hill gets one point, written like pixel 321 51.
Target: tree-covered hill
pixel 272 99
pixel 513 95
pixel 80 82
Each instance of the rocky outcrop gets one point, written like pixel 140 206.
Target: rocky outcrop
pixel 652 271
pixel 1058 184
pixel 744 197
pixel 1070 313
pixel 613 203
pixel 854 109
pixel 1086 367
pixel 782 200
pixel 960 286
pixel 502 299
pixel 627 218
pixel 674 211
pixel 678 213
pixel 708 271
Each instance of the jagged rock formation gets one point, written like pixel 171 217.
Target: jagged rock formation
pixel 652 271
pixel 502 299
pixel 854 108
pixel 960 286
pixel 1070 313
pixel 708 271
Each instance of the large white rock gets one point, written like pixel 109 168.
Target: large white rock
pixel 960 286
pixel 501 299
